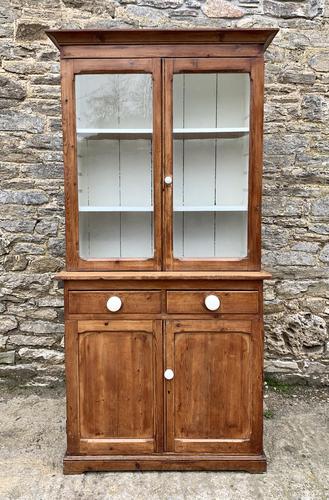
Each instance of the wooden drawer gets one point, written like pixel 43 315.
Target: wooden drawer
pixel 230 302
pixel 133 302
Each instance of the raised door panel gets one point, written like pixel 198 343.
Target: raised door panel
pixel 119 411
pixel 210 400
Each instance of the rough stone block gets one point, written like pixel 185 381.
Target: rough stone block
pixel 7 358
pixel 10 88
pixel 281 366
pixel 23 197
pixel 15 262
pixel 221 9
pixel 47 356
pixel 314 108
pixel 32 341
pixel 57 247
pixel 45 265
pixel 294 76
pixel 41 327
pixel 324 254
pixel 7 323
pixel 290 258
pixel 164 4
pixel 10 121
pixel 320 207
pixel 3 341
pixel 30 30
pixel 320 62
pixel 289 10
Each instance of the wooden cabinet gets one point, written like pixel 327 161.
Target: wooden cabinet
pixel 163 282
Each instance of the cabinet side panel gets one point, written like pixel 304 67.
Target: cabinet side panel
pixel 70 174
pixel 72 396
pixel 256 162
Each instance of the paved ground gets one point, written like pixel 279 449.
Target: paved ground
pixel 297 444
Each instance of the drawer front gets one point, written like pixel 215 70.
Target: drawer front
pixel 132 302
pixel 228 303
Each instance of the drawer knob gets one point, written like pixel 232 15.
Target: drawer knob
pixel 114 304
pixel 168 180
pixel 212 302
pixel 168 374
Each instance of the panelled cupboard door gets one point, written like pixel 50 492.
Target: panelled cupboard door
pixel 212 401
pixel 119 384
pixel 213 126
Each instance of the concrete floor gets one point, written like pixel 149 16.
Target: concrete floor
pixel 32 445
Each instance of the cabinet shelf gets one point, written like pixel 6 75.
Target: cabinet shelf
pixel 210 133
pixel 212 208
pixel 114 133
pixel 178 133
pixel 89 209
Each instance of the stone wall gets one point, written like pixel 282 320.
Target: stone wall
pixel 296 189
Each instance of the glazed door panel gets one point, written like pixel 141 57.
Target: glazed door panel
pixel 212 151
pixel 210 400
pixel 112 138
pixel 119 386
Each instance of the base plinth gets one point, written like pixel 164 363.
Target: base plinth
pixel 78 464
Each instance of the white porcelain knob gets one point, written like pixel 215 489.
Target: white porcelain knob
pixel 168 180
pixel 168 374
pixel 114 304
pixel 212 302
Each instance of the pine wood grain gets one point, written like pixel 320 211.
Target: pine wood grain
pixel 118 384
pixel 230 302
pixel 132 302
pixel 209 400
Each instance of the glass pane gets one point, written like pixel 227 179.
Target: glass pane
pixel 210 163
pixel 115 177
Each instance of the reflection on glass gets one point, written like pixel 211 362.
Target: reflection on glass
pixel 211 156
pixel 114 137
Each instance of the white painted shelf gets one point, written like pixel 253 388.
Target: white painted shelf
pixel 212 208
pixel 178 133
pixel 210 133
pixel 90 209
pixel 115 133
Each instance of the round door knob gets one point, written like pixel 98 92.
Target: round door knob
pixel 114 304
pixel 169 374
pixel 168 180
pixel 212 302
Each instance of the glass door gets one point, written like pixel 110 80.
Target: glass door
pixel 209 156
pixel 118 164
